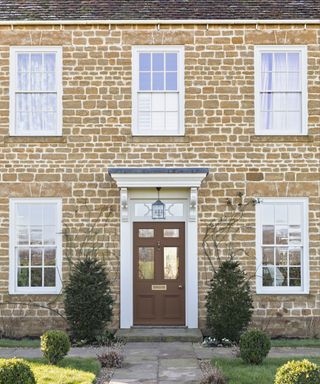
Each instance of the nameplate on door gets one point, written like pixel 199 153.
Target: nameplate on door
pixel 159 287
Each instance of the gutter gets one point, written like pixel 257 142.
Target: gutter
pixel 162 22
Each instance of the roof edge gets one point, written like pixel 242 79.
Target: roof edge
pixel 162 22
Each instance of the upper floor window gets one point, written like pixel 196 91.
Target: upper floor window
pixel 35 91
pixel 282 246
pixel 158 90
pixel 281 90
pixel 35 246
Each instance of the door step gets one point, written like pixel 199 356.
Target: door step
pixel 164 334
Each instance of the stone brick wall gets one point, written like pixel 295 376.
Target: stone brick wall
pixel 219 121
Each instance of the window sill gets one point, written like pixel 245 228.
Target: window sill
pixel 281 139
pixel 281 293
pixel 35 293
pixel 159 139
pixel 34 139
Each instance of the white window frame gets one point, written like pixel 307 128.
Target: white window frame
pixel 13 83
pixel 13 288
pixel 135 87
pixel 305 276
pixel 302 49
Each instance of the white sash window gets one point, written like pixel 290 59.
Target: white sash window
pixel 158 90
pixel 281 90
pixel 35 91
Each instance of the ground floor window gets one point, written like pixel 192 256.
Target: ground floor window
pixel 35 245
pixel 282 246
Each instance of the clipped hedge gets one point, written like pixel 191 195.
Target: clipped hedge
pixel 55 345
pixel 15 371
pixel 298 372
pixel 254 346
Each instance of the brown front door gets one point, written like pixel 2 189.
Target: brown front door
pixel 158 273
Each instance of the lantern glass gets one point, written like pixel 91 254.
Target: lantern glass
pixel 158 210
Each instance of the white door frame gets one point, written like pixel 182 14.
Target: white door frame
pixel 183 187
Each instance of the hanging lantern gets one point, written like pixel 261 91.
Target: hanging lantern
pixel 158 208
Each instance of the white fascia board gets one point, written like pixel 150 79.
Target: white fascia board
pixel 164 22
pixel 166 180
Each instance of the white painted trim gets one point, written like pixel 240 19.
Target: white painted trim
pixel 305 241
pixel 148 180
pixel 303 51
pixel 135 87
pixel 126 258
pixel 13 69
pixel 13 289
pixel 164 22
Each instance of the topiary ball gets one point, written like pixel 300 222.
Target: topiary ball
pixel 55 345
pixel 15 371
pixel 298 372
pixel 254 346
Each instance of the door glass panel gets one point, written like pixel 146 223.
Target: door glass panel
pixel 144 232
pixel 171 263
pixel 146 263
pixel 170 232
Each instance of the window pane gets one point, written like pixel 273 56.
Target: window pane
pixel 266 102
pixel 171 62
pixel 281 256
pixel 268 276
pixel 36 277
pixel 144 121
pixel 280 63
pixel 168 232
pixel 145 62
pixel 266 81
pixel 49 81
pixel 268 234
pixel 158 81
pixel 294 234
pixel 146 263
pixel 146 232
pixel 23 257
pixel 171 81
pixel 171 263
pixel 279 102
pixel 36 256
pixel 282 235
pixel 23 277
pixel 294 81
pixel 22 235
pixel 158 121
pixel 49 277
pixel 281 276
pixel 158 102
pixel 49 235
pixel 172 121
pixel 49 256
pixel 279 81
pixel 36 214
pixel 36 235
pixel 22 214
pixel 279 121
pixel 23 62
pixel 157 61
pixel 281 214
pixel 23 83
pixel 49 62
pixel 294 121
pixel 145 81
pixel 293 62
pixel 266 62
pixel 267 256
pixel 36 62
pixel 295 256
pixel 295 277
pixel 266 120
pixel 172 100
pixel 293 102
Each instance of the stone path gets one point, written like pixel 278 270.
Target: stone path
pixel 160 363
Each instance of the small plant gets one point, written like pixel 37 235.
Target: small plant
pixel 55 345
pixel 211 375
pixel 16 371
pixel 298 372
pixel 109 339
pixel 111 359
pixel 229 302
pixel 88 301
pixel 254 346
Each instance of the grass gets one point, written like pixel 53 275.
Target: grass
pixel 19 343
pixel 69 371
pixel 315 343
pixel 237 372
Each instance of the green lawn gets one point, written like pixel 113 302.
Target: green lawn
pixel 21 343
pixel 237 372
pixel 296 343
pixel 69 371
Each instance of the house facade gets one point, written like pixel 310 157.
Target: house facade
pixel 182 106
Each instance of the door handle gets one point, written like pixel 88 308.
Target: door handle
pixel 180 286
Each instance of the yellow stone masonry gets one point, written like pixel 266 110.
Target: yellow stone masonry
pixel 220 135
